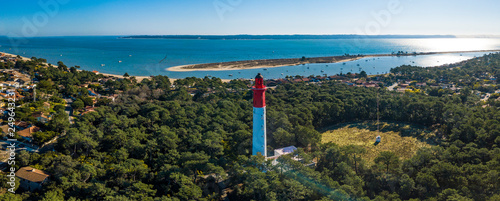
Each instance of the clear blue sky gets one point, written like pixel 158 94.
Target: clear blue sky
pixel 193 17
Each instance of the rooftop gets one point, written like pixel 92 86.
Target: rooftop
pixel 27 132
pixel 40 114
pixel 32 174
pixel 22 124
pixel 5 128
pixel 285 150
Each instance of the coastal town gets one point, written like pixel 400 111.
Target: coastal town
pixel 41 108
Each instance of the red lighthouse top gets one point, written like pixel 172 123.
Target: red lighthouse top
pixel 259 81
pixel 259 92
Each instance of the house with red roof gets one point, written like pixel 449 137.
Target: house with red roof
pixel 32 179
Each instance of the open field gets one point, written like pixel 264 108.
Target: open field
pixel 395 138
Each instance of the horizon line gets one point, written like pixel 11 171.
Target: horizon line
pixel 215 35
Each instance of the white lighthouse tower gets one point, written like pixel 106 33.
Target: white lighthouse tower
pixel 259 117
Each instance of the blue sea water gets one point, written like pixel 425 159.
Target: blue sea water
pixel 143 57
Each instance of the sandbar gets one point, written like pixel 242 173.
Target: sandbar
pixel 273 63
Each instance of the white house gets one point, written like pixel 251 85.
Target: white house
pixel 282 151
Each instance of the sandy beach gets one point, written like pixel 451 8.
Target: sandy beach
pixel 138 78
pixel 13 55
pixel 273 63
pixel 257 64
pixel 265 63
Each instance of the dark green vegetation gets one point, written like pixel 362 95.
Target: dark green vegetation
pixel 160 143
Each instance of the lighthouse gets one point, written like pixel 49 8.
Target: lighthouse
pixel 259 117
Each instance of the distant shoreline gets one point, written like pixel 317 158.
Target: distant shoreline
pixel 282 37
pixel 273 63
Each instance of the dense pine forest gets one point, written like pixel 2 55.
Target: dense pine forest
pixel 191 139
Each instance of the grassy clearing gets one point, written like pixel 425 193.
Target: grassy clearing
pixel 395 138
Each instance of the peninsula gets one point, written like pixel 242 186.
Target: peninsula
pixel 272 63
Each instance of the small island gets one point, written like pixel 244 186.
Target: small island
pixel 272 63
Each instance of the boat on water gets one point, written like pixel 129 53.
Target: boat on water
pixel 119 61
pixel 103 64
pixel 230 75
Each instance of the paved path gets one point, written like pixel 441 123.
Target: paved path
pixel 49 146
pixel 68 109
pixel 486 97
pixel 391 88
